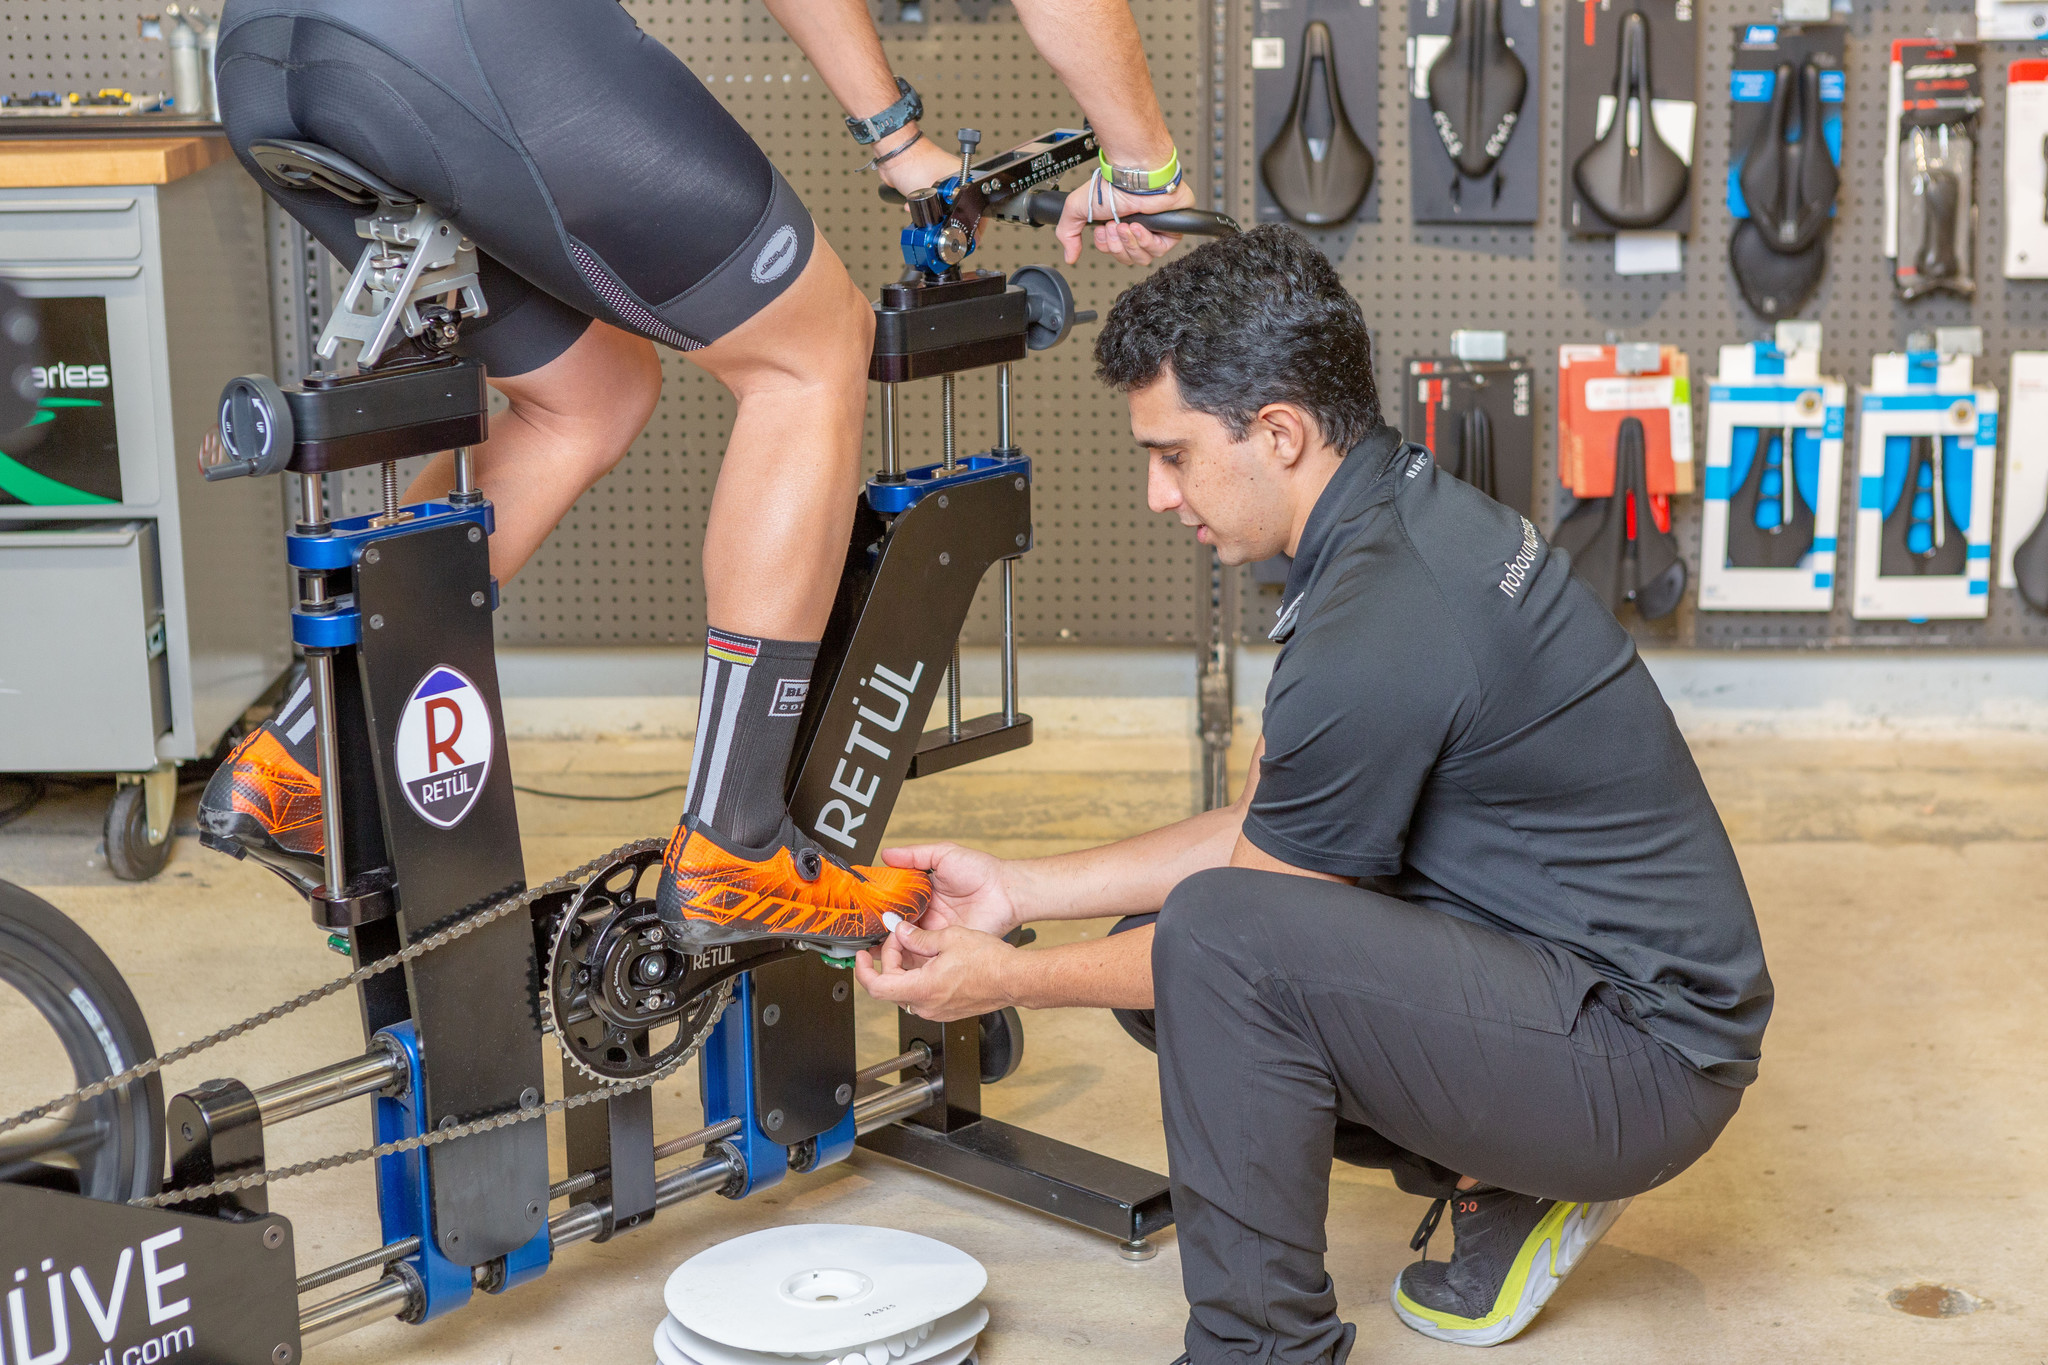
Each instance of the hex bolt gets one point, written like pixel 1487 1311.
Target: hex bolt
pixel 943 502
pixel 273 1237
pixel 1020 485
pixel 842 1095
pixel 281 1353
pixel 771 1015
pixel 773 1121
pixel 1021 538
pixel 651 936
pixel 476 599
pixel 376 623
pixel 371 555
pixel 185 1131
pixel 528 1098
pixel 533 1208
pixel 447 1122
pixel 945 558
pixel 476 533
pixel 839 991
pixel 455 1239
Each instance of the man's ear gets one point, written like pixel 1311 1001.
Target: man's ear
pixel 1292 431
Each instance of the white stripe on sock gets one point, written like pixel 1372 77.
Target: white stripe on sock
pixel 707 716
pixel 301 725
pixel 305 691
pixel 728 721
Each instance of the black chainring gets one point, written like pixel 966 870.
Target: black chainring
pixel 612 981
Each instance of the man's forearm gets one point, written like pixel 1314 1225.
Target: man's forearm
pixel 1094 48
pixel 1128 877
pixel 841 42
pixel 1108 973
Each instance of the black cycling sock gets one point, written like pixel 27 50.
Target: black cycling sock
pixel 747 716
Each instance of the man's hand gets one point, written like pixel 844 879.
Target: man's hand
pixel 937 974
pixel 920 168
pixel 1127 242
pixel 969 890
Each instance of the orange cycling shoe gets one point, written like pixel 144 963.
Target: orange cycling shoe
pixel 713 893
pixel 264 799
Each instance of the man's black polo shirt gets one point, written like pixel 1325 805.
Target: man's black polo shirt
pixel 1454 716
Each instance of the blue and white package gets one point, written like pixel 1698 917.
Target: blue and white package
pixel 1927 444
pixel 1772 485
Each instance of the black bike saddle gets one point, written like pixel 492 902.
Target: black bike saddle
pixel 1318 168
pixel 1788 178
pixel 1614 542
pixel 1631 175
pixel 1921 537
pixel 1769 525
pixel 309 166
pixel 1476 88
pixel 2030 566
pixel 1475 451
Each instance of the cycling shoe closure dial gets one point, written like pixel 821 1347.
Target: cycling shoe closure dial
pixel 1631 175
pixel 1476 88
pixel 1318 168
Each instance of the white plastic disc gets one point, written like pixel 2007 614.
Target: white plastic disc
pixel 938 1346
pixel 817 1289
pixel 668 1353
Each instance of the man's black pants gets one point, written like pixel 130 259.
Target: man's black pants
pixel 1301 1020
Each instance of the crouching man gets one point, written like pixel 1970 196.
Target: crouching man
pixel 1473 919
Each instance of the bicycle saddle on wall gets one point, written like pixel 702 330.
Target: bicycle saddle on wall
pixel 1789 182
pixel 1476 88
pixel 1921 535
pixel 2030 566
pixel 1779 252
pixel 1317 180
pixel 1770 525
pixel 1616 546
pixel 1631 175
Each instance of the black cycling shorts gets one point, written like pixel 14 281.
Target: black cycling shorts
pixel 597 177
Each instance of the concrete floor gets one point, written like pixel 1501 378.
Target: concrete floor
pixel 1895 1139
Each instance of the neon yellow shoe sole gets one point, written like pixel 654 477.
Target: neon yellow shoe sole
pixel 1553 1249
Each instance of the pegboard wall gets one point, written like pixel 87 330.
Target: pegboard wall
pixel 623 566
pixel 1545 288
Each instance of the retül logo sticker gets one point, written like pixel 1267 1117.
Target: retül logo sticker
pixel 444 747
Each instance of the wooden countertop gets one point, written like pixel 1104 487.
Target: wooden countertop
pixel 52 163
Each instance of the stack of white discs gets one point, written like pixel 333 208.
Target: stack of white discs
pixel 825 1292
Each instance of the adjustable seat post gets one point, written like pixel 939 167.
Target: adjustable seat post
pixel 950 465
pixel 1004 447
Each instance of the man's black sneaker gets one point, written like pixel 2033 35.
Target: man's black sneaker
pixel 264 799
pixel 1509 1254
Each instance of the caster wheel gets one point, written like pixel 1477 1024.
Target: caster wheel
pixel 1002 1045
pixel 130 854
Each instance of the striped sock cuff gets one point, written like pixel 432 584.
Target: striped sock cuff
pixel 734 649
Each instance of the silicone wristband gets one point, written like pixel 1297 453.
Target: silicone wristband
pixel 1137 181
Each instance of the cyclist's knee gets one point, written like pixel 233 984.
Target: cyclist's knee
pixel 818 334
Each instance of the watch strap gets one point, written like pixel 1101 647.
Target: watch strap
pixel 908 109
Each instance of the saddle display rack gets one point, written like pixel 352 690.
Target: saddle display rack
pixel 459 966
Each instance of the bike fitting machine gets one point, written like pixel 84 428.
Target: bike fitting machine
pixel 460 967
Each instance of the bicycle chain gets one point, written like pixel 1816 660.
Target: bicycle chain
pixel 441 937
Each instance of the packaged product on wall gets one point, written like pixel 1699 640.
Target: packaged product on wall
pixel 1786 90
pixel 1771 506
pixel 1926 441
pixel 2023 556
pixel 1930 182
pixel 1600 386
pixel 2026 170
pixel 1478 419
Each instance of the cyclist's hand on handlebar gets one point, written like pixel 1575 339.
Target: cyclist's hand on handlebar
pixel 1127 242
pixel 921 167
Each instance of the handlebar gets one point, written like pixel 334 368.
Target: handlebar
pixel 1043 209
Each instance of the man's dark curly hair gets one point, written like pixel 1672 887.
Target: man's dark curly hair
pixel 1244 321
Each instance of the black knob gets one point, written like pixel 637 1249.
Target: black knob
pixel 970 138
pixel 926 208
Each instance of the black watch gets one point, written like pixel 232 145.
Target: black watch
pixel 908 109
